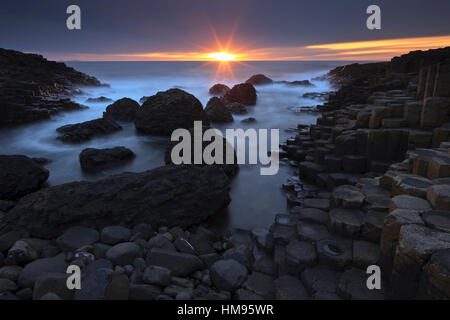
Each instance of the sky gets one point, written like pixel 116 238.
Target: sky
pixel 245 29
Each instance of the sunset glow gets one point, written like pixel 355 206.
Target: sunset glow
pixel 359 50
pixel 221 56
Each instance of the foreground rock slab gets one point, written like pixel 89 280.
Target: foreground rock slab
pixel 19 175
pixel 165 196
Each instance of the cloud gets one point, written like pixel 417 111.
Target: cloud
pixel 359 50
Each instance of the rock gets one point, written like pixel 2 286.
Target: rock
pixel 435 279
pixel 320 279
pixel 439 220
pixel 228 274
pixel 25 294
pixel 219 89
pixel 413 112
pixel 411 184
pixel 311 215
pixel 94 160
pixel 100 99
pixel 209 259
pixel 299 255
pixel 180 264
pixel 347 197
pixel 354 163
pixel 299 83
pixel 241 254
pixel 169 110
pixel 157 275
pixel 144 292
pixel 346 222
pixel 124 109
pixel 265 264
pixel 77 237
pixel 124 253
pixel 7 239
pixel 38 267
pixel 289 288
pixel 436 112
pixel 391 229
pixel 311 231
pixel 159 241
pixel 259 79
pixel 87 130
pixel 416 244
pixel 20 175
pixel 100 282
pixel 10 272
pixel 7 285
pixel 170 195
pixel 409 203
pixel 439 196
pixel 229 168
pixel 183 245
pixel 352 285
pixel 22 252
pixel 243 294
pixel 217 112
pixel 52 283
pixel 336 253
pixel 6 205
pixel 115 234
pixel 236 108
pixel 373 224
pixel 243 93
pixel 323 204
pixel 249 120
pixel 261 284
pixel 365 254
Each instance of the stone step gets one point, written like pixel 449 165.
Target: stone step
pixel 394 123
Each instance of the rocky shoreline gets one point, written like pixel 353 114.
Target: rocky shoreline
pixel 373 188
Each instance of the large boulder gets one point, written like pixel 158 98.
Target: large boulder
pixel 230 169
pixel 165 196
pixel 169 110
pixel 259 79
pixel 237 108
pixel 84 131
pixel 244 93
pixel 219 89
pixel 93 160
pixel 19 175
pixel 217 112
pixel 123 110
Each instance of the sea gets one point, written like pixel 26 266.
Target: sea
pixel 256 198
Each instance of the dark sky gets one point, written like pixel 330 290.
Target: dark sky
pixel 135 26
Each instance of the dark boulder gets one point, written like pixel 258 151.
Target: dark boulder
pixel 304 83
pixel 98 100
pixel 93 160
pixel 122 110
pixel 259 79
pixel 84 131
pixel 166 196
pixel 219 89
pixel 249 120
pixel 237 108
pixel 217 112
pixel 19 175
pixel 244 93
pixel 230 169
pixel 169 110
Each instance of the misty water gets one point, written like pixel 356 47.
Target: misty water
pixel 255 198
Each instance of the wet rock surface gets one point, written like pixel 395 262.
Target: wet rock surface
pixel 94 160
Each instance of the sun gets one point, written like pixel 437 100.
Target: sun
pixel 221 56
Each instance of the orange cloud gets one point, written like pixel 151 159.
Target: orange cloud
pixel 360 50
